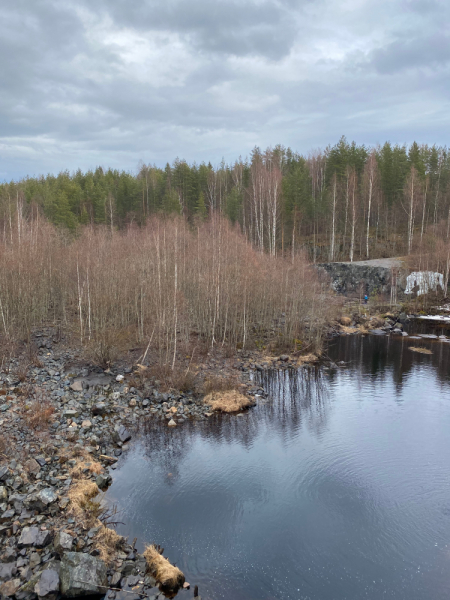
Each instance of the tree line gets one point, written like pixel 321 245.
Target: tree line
pixel 346 202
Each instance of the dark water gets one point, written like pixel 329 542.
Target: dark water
pixel 338 487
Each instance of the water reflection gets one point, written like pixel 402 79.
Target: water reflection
pixel 388 357
pixel 336 487
pixel 295 397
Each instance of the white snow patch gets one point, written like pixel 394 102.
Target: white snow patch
pixel 425 281
pixel 435 318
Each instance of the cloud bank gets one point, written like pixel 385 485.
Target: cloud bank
pixel 113 82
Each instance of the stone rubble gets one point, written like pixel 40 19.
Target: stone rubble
pixel 44 552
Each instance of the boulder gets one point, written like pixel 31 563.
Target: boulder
pixel 82 575
pixel 48 584
pixel 77 386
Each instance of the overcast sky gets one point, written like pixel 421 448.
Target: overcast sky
pixel 112 82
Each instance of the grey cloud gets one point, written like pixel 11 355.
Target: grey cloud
pixel 429 51
pixel 81 82
pixel 233 27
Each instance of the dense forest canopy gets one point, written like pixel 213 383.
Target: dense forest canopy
pixel 346 202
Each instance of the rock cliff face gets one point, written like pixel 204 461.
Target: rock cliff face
pixel 366 277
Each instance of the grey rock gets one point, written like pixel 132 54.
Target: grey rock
pixel 82 575
pixel 124 434
pixel 373 275
pixel 35 559
pixel 103 481
pixel 31 536
pixel 48 584
pixel 62 542
pixel 9 555
pixel 77 386
pixel 7 515
pixel 7 570
pixel 128 568
pixel 4 473
pixel 71 413
pixel 47 496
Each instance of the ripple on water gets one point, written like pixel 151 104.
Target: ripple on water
pixel 337 487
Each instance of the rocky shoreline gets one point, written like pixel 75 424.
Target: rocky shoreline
pixel 63 427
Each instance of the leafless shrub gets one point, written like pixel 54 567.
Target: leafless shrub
pixel 214 383
pixel 159 286
pixel 179 378
pixel 22 370
pixel 38 411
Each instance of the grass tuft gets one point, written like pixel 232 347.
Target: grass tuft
pixel 229 402
pixel 169 576
pixel 420 350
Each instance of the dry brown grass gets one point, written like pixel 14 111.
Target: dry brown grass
pixel 376 322
pixel 229 402
pixel 82 506
pixel 169 576
pixel 307 359
pixel 346 329
pixel 420 350
pixel 345 321
pixel 79 470
pixel 38 414
pixel 107 542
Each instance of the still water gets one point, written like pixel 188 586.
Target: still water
pixel 337 487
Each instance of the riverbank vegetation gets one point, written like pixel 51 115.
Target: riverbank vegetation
pixel 168 287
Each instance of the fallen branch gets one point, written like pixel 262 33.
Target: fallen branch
pixel 106 587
